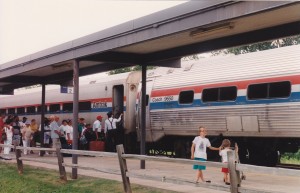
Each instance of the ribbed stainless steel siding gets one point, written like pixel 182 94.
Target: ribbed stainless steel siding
pixel 271 118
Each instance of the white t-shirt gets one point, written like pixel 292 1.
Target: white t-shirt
pixel 63 129
pixel 200 147
pixel 69 129
pixel 223 154
pixel 8 131
pixel 97 125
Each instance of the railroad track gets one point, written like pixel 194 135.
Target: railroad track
pixel 289 166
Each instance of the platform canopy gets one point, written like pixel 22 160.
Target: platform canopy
pixel 159 39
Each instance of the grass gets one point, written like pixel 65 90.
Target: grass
pixel 290 161
pixel 291 158
pixel 36 180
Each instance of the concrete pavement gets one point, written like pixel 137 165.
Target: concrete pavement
pixel 171 172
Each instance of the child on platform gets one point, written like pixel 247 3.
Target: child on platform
pixel 198 152
pixel 225 147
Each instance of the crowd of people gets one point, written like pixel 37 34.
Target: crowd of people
pixel 27 133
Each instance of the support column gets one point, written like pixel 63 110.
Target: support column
pixel 143 115
pixel 43 118
pixel 75 115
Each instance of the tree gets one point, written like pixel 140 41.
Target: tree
pixel 260 46
pixel 129 69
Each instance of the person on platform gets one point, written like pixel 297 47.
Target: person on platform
pixel 27 135
pixel 2 117
pixel 69 132
pixel 55 132
pixel 9 135
pixel 198 152
pixel 80 126
pixel 35 133
pixel 47 133
pixel 225 147
pixel 17 125
pixel 97 126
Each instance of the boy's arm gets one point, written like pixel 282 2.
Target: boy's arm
pixel 192 151
pixel 214 148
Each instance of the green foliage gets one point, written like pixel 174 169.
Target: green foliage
pixel 38 180
pixel 260 46
pixel 191 57
pixel 292 158
pixel 129 69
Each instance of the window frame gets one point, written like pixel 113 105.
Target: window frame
pixel 219 94
pixel 268 90
pixel 186 103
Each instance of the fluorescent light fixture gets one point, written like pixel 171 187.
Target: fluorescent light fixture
pixel 212 28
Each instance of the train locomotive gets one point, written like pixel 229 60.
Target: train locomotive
pixel 253 99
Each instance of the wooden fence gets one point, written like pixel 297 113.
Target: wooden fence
pixel 235 168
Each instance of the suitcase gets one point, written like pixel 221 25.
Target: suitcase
pixel 66 146
pixel 97 146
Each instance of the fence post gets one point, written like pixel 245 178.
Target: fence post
pixel 19 162
pixel 123 168
pixel 60 160
pixel 233 173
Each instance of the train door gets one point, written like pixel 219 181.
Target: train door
pixel 118 99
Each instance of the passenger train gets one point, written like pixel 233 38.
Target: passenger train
pixel 252 99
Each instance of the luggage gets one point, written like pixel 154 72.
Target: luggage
pixel 97 146
pixel 66 146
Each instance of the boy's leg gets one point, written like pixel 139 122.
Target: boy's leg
pixel 200 176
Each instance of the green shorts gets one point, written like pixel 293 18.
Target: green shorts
pixel 199 167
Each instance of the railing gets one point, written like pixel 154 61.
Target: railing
pixel 235 168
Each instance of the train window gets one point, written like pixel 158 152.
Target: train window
pixel 258 91
pixel 31 109
pixel 269 90
pixel 228 93
pixel 11 111
pixel 219 94
pixel 186 97
pixel 210 95
pixel 280 89
pixel 85 106
pixel 54 108
pixel 3 111
pixel 39 109
pixel 68 107
pixel 21 110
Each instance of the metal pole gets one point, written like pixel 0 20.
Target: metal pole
pixel 75 115
pixel 43 117
pixel 143 115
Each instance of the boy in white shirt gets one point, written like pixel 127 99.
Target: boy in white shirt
pixel 198 152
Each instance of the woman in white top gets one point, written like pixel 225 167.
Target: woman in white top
pixel 9 133
pixel 27 135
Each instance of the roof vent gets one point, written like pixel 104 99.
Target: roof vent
pixel 188 67
pixel 171 70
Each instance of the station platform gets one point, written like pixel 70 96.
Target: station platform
pixel 168 172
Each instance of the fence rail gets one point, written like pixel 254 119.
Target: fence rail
pixel 235 168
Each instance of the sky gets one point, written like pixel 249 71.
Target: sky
pixel 28 26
